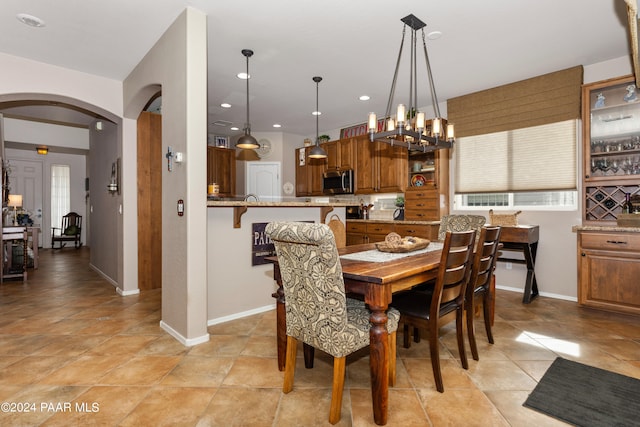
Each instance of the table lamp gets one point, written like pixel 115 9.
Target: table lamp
pixel 15 200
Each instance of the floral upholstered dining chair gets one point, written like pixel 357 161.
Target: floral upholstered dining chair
pixel 318 313
pixel 456 223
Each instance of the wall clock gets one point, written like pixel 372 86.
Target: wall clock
pixel 265 148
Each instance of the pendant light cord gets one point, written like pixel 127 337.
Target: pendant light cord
pixel 247 53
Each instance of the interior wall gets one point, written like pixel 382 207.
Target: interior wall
pixel 24 79
pixel 178 64
pixel 103 206
pixel 556 266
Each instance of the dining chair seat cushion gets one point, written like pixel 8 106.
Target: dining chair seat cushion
pixel 316 308
pixel 413 303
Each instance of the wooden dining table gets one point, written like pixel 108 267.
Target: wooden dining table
pixel 376 282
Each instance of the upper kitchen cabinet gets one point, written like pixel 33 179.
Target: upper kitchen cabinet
pixel 611 132
pixel 308 173
pixel 380 167
pixel 221 169
pixel 340 154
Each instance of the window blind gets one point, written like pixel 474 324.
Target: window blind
pixel 549 98
pixel 538 158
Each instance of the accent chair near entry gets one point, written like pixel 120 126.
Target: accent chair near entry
pixel 70 231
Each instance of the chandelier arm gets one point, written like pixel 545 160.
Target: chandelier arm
pixel 395 76
pixel 434 97
pixel 413 77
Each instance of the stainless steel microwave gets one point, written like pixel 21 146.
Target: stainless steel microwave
pixel 338 182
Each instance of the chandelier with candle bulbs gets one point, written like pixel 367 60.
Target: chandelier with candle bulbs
pixel 409 127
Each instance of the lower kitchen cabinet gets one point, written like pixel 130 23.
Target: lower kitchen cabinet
pixel 608 270
pixel 359 232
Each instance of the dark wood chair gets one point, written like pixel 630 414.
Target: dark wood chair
pixel 479 286
pixel 429 311
pixel 69 232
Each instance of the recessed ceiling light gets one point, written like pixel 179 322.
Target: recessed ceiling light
pixel 316 113
pixel 365 98
pixel 30 20
pixel 235 128
pixel 434 35
pixel 276 125
pixel 243 76
pixel 225 105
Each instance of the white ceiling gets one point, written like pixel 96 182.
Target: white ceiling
pixel 352 44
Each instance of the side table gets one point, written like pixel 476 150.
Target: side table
pixel 523 238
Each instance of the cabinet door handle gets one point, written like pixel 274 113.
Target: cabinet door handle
pixel 583 254
pixel 617 242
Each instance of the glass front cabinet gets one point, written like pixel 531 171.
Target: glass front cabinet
pixel 611 132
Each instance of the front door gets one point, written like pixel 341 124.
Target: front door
pixel 26 179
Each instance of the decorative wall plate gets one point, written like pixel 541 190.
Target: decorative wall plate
pixel 265 148
pixel 418 180
pixel 288 188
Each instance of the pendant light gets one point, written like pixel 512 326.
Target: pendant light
pixel 247 141
pixel 317 152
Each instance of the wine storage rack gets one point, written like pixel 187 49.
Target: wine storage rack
pixel 604 202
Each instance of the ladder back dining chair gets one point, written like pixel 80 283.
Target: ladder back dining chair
pixel 479 287
pixel 430 310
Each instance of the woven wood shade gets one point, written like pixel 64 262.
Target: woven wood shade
pixel 549 98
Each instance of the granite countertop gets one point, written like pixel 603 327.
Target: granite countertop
pixel 607 228
pixel 283 204
pixel 394 221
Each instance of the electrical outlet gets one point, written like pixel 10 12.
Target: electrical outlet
pixel 508 266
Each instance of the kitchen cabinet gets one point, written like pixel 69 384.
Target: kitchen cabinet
pixel 308 173
pixel 421 204
pixel 611 154
pixel 425 231
pixel 608 270
pixel 380 167
pixel 367 232
pixel 427 196
pixel 221 169
pixel 359 232
pixel 340 154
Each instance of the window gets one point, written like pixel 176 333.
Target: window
pixel 60 193
pixel 556 200
pixel 525 168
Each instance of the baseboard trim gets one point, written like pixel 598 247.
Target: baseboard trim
pixel 187 342
pixel 543 294
pixel 240 315
pixel 127 293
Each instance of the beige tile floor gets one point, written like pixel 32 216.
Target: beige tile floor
pixel 73 352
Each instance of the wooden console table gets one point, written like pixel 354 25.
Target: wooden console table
pixel 523 238
pixel 33 232
pixel 9 235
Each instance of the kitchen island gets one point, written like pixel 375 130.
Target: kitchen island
pixel 235 287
